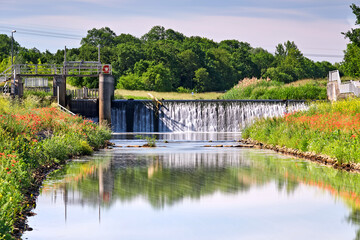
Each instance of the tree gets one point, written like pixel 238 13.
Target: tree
pixel 155 34
pixel 290 64
pixel 126 38
pixel 173 35
pixel 158 78
pixel 103 37
pixel 201 80
pixel 242 62
pixel 189 62
pixel 262 59
pixel 351 65
pixel 126 56
pixel 5 46
pixel 354 34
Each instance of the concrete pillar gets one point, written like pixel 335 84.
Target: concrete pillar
pixel 59 86
pixel 333 90
pixel 19 87
pixel 106 93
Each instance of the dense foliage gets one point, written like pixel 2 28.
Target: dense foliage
pixel 351 65
pixel 31 137
pixel 326 128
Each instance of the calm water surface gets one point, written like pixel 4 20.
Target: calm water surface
pixel 183 190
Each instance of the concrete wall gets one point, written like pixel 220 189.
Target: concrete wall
pixel 333 90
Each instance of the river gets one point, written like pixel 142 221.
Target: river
pixel 183 190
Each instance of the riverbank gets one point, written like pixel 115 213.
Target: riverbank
pixel 305 89
pixel 33 142
pixel 327 133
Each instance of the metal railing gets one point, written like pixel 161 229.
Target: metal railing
pixel 68 69
pixel 5 75
pixel 83 93
pixel 64 109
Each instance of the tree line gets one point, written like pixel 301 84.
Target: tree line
pixel 167 60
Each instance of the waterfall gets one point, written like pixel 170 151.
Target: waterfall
pixel 196 115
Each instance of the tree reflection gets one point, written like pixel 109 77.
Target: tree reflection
pixel 166 179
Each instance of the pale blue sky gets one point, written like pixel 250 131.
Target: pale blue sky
pixel 314 25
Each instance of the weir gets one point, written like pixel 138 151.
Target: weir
pixel 195 115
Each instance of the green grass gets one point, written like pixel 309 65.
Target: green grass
pixel 32 137
pixel 139 94
pixel 263 89
pixel 326 128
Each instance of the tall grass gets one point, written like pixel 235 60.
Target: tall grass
pixel 31 137
pixel 330 129
pixel 266 89
pixel 139 94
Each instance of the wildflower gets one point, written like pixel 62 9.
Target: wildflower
pixel 353 136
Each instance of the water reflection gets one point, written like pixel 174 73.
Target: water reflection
pixel 183 136
pixel 170 175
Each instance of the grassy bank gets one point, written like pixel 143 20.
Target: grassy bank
pixel 266 89
pixel 139 94
pixel 30 138
pixel 332 129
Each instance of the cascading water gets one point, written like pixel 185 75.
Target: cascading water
pixel 196 116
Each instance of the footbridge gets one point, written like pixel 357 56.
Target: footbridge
pixel 14 75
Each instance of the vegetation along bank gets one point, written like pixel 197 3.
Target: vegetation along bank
pixel 33 141
pixel 327 132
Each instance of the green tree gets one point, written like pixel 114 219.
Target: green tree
pixel 290 64
pixel 126 38
pixel 103 37
pixel 241 61
pixel 351 65
pixel 156 33
pixel 354 34
pixel 189 62
pixel 201 80
pixel 158 78
pixel 5 46
pixel 262 59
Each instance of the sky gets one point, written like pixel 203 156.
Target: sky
pixel 314 25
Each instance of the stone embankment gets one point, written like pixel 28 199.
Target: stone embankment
pixel 318 158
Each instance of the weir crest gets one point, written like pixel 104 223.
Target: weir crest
pixel 195 115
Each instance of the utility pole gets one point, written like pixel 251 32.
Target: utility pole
pixel 99 53
pixel 12 60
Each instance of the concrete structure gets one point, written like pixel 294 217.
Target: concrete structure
pixel 337 90
pixel 106 94
pixel 59 89
pixel 19 86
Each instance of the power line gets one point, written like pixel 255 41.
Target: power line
pixel 42 33
pixel 322 55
